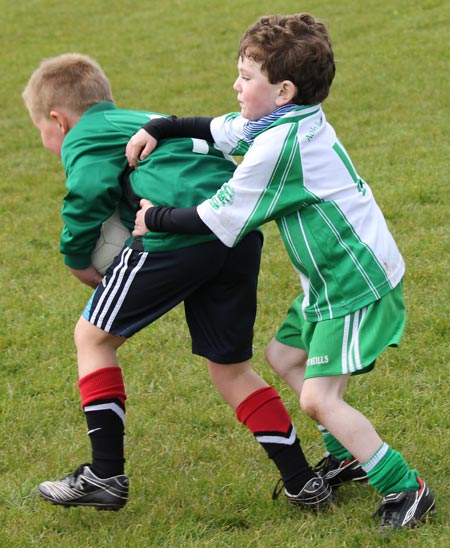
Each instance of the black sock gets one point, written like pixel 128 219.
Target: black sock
pixel 291 462
pixel 106 428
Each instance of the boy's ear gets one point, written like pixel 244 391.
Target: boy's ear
pixel 63 121
pixel 287 91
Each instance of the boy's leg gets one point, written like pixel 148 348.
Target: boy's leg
pixel 260 408
pixel 137 289
pixel 338 348
pixel 289 362
pixel 235 382
pixel 322 400
pixel 221 316
pixel 103 396
pixel 407 499
pixel 332 445
pixel 101 483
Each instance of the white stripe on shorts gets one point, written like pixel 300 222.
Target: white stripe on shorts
pixel 114 285
pixel 116 274
pixel 351 359
pixel 124 292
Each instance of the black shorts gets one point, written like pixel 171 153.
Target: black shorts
pixel 218 285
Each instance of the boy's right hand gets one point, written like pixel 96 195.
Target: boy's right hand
pixel 140 227
pixel 139 147
pixel 88 276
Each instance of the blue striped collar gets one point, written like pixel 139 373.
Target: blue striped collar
pixel 253 127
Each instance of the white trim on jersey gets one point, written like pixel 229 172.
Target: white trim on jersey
pixel 348 250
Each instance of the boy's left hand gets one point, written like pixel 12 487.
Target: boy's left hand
pixel 140 228
pixel 88 276
pixel 139 147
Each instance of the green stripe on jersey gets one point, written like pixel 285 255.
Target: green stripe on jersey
pixel 341 152
pixel 275 200
pixel 350 271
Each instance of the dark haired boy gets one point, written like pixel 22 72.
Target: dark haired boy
pixel 296 171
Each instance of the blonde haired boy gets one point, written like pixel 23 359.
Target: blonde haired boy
pixel 70 102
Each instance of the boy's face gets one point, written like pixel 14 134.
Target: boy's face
pixel 256 95
pixel 52 134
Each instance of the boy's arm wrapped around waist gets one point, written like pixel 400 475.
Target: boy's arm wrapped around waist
pixel 178 220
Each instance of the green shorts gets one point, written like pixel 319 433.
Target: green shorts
pixel 349 344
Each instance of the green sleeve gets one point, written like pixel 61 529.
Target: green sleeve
pixel 93 191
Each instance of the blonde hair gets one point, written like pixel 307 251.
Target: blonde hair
pixel 71 81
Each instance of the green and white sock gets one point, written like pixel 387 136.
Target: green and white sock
pixel 388 472
pixel 332 445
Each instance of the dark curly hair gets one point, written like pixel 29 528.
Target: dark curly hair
pixel 292 47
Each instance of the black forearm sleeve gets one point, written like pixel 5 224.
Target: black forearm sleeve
pixel 195 126
pixel 176 220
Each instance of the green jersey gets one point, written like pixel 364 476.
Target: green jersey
pixel 180 172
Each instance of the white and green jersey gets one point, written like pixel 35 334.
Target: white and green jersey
pixel 297 172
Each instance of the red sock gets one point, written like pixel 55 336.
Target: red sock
pixel 102 384
pixel 264 412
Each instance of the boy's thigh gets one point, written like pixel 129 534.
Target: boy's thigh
pixel 141 286
pixel 352 343
pixel 221 313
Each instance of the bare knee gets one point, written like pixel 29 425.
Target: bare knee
pixel 316 398
pixel 310 404
pixel 322 397
pixel 79 332
pixel 95 348
pixel 228 373
pixel 87 333
pixel 283 358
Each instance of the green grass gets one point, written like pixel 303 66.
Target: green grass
pixel 198 479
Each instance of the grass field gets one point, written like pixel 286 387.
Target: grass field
pixel 198 479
